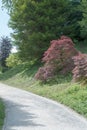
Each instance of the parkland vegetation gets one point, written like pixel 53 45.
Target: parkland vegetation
pixel 2 114
pixel 51 57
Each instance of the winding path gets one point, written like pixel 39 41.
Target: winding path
pixel 27 111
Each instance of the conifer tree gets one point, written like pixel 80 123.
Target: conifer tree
pixel 5 49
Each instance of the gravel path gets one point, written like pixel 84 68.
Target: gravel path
pixel 27 111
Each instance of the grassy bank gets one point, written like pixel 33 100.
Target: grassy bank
pixel 60 89
pixel 2 114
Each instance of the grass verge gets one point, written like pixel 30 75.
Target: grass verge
pixel 2 114
pixel 61 89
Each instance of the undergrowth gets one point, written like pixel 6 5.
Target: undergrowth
pixel 61 88
pixel 2 114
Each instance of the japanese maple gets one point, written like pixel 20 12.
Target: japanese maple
pixel 58 58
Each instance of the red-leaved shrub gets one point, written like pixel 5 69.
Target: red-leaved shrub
pixel 58 58
pixel 45 73
pixel 80 70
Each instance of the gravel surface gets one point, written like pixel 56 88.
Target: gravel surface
pixel 27 111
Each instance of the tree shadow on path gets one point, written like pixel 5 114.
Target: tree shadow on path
pixel 17 117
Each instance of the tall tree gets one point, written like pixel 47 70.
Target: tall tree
pixel 83 22
pixel 72 27
pixel 36 23
pixel 5 48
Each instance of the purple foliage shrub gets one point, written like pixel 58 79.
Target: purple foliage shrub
pixel 58 58
pixel 80 70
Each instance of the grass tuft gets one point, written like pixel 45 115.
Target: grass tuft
pixel 2 114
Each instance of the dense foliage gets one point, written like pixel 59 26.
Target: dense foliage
pixel 83 22
pixel 5 49
pixel 80 70
pixel 72 27
pixel 36 23
pixel 58 58
pixel 13 60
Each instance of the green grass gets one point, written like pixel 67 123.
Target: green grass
pixel 2 114
pixel 60 89
pixel 72 95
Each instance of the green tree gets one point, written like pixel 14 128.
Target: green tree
pixel 5 49
pixel 36 23
pixel 72 27
pixel 13 60
pixel 83 22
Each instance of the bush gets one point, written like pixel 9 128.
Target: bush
pixel 13 60
pixel 57 59
pixel 80 70
pixel 45 73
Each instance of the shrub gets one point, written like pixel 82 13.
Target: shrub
pixel 58 58
pixel 80 70
pixel 13 60
pixel 45 73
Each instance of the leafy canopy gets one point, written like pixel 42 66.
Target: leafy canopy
pixel 37 22
pixel 5 49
